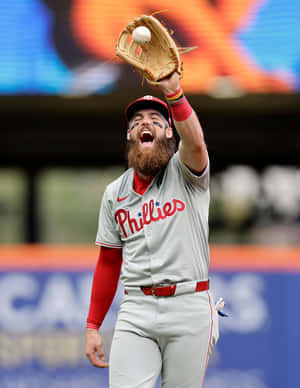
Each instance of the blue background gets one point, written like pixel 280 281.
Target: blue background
pixel 258 345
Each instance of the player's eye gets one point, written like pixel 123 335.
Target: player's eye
pixel 134 125
pixel 158 124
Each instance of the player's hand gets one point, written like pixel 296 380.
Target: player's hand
pixel 168 85
pixel 94 348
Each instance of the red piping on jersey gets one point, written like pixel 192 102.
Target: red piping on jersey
pixel 210 336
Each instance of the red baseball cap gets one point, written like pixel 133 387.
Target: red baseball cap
pixel 148 102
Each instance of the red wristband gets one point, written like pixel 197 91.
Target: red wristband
pixel 181 110
pixel 179 105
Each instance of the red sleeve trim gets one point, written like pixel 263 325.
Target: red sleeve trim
pixel 102 244
pixel 90 325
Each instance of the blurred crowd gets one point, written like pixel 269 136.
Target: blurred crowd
pixel 247 206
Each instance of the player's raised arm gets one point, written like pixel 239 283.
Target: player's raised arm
pixel 192 147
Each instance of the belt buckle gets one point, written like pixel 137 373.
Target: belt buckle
pixel 154 288
pixel 165 290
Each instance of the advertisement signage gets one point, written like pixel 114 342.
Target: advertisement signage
pixel 44 298
pixel 243 46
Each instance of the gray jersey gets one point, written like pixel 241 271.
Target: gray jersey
pixel 164 232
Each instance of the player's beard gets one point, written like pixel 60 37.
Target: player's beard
pixel 150 161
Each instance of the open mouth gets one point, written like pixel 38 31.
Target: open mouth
pixel 146 137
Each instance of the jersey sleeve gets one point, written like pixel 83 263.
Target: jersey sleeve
pixel 107 234
pixel 105 284
pixel 200 181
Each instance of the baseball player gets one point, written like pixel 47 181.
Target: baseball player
pixel 153 223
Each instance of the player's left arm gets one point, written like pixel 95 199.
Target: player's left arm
pixel 192 147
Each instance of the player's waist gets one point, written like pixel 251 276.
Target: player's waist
pixel 170 289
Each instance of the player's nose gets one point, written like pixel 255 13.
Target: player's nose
pixel 146 121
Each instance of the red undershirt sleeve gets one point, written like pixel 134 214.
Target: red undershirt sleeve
pixel 105 283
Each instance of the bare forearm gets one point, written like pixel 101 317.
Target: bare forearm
pixel 190 132
pixel 192 147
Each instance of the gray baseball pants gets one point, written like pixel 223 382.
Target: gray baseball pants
pixel 172 335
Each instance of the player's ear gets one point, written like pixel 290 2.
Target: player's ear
pixel 169 132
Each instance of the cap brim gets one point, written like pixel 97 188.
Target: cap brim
pixel 146 104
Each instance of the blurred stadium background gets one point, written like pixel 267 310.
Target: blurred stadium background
pixel 62 95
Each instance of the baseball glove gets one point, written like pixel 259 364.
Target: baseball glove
pixel 156 59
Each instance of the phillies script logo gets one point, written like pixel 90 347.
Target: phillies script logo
pixel 150 213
